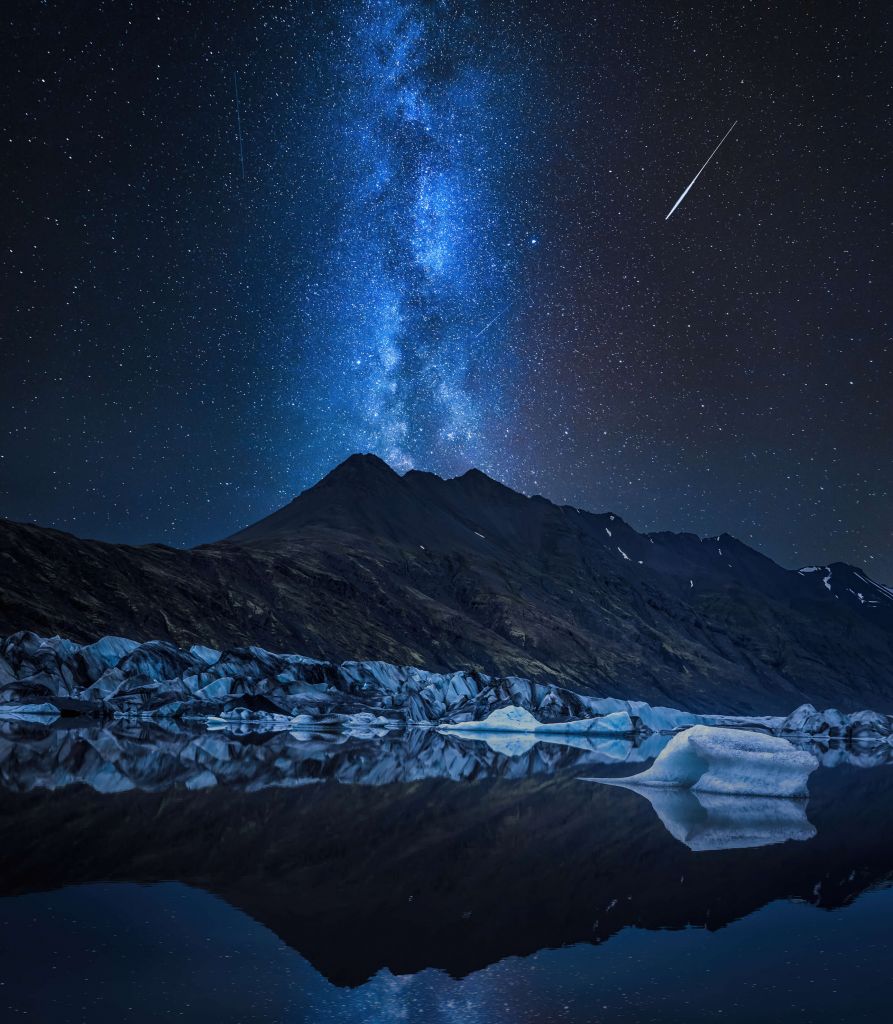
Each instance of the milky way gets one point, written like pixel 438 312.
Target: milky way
pixel 449 246
pixel 426 254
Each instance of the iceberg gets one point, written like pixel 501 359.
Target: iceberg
pixel 104 654
pixel 730 762
pixel 510 719
pixel 518 719
pixel 208 655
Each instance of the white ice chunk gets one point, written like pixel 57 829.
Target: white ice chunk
pixel 520 720
pixel 660 719
pixel 104 654
pixel 728 761
pixel 510 719
pixel 208 655
pixel 217 689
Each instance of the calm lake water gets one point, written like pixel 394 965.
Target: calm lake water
pixel 150 874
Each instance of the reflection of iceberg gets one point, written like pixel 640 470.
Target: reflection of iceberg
pixel 728 761
pixel 509 744
pixel 708 821
pixel 169 755
pixel 45 713
pixel 602 749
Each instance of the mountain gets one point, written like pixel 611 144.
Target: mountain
pixel 467 573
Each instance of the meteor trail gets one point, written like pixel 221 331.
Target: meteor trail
pixel 239 125
pixel 488 325
pixel 695 178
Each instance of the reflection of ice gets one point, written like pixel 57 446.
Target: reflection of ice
pixel 168 754
pixel 707 821
pixel 124 755
pixel 507 744
pixel 723 789
pixel 514 719
pixel 38 713
pixel 603 749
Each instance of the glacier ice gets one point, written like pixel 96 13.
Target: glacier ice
pixel 730 762
pixel 518 719
pixel 120 678
pixel 510 719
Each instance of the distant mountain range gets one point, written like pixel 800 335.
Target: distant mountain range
pixel 467 573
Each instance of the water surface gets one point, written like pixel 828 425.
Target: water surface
pixel 149 875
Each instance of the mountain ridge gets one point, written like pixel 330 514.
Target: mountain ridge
pixel 465 573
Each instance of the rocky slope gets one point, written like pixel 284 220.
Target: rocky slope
pixel 468 574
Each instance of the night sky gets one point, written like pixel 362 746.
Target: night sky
pixel 449 247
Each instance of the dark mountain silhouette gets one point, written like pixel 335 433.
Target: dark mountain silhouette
pixel 467 573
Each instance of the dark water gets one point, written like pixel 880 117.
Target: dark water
pixel 149 875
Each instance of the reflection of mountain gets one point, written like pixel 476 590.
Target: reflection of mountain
pixel 468 574
pixel 434 873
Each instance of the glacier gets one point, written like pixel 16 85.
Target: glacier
pixel 238 687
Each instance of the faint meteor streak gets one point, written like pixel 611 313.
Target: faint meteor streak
pixel 695 178
pixel 490 323
pixel 239 124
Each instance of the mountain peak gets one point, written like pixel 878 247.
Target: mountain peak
pixel 467 573
pixel 479 481
pixel 361 463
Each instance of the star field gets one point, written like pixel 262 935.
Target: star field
pixel 449 247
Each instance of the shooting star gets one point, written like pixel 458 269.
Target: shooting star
pixel 239 125
pixel 698 175
pixel 490 323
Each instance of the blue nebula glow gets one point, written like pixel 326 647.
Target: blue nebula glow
pixel 410 320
